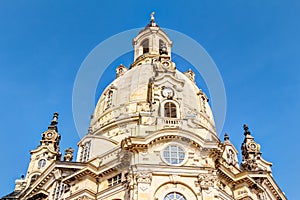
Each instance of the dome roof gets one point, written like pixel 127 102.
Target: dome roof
pixel 152 89
pixel 129 92
pixel 150 99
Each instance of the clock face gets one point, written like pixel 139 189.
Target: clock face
pixel 252 146
pixel 167 92
pixel 49 135
pixel 166 64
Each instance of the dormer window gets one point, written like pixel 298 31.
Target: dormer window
pixel 170 110
pixel 108 99
pixel 145 45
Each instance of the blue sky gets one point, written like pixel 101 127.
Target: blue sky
pixel 255 45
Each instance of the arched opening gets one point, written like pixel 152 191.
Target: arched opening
pixel 162 47
pixel 174 196
pixel 34 178
pixel 145 45
pixel 108 99
pixel 178 191
pixel 170 110
pixel 42 163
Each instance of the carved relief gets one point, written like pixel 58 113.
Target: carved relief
pixel 143 107
pixel 249 164
pixel 206 180
pixel 190 113
pixel 231 157
pixel 144 177
pixel 262 196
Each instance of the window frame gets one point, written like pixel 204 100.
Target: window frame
pixel 115 180
pixel 85 151
pixel 174 192
pixel 145 44
pixel 59 190
pixel 169 161
pixel 170 110
pixel 163 111
pixel 42 163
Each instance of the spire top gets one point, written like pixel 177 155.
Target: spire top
pixel 152 17
pixel 54 119
pixel 226 137
pixel 54 122
pixel 152 21
pixel 246 129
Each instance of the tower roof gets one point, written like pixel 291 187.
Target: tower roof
pixel 151 81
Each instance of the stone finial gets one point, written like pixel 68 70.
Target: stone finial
pixel 152 21
pixel 190 74
pixel 68 154
pixel 246 130
pixel 152 17
pixel 226 137
pixel 54 122
pixel 121 70
pixel 54 119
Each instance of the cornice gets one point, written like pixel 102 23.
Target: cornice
pixel 140 143
pixel 41 147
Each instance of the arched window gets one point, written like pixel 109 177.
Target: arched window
pixel 34 178
pixel 170 110
pixel 108 99
pixel 145 45
pixel 162 47
pixel 174 196
pixel 42 163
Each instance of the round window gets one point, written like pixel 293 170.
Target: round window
pixel 174 196
pixel 42 163
pixel 173 154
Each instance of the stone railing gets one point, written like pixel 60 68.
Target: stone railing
pixel 170 122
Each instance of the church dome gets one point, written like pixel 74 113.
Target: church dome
pixel 128 96
pixel 149 97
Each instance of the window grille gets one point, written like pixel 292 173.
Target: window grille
pixel 114 180
pixel 170 110
pixel 85 152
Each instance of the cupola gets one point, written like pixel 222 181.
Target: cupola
pixel 152 40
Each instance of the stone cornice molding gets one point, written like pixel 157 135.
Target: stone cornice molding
pixel 139 143
pixel 163 78
pixel 41 147
pixel 90 136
